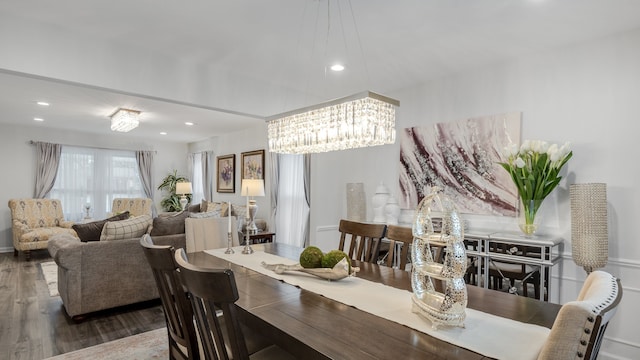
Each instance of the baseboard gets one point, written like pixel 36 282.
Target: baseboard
pixel 6 249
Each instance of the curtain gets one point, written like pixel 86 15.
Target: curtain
pixel 90 177
pixel 306 165
pixel 194 169
pixel 47 163
pixel 274 170
pixel 208 174
pixel 292 210
pixel 145 165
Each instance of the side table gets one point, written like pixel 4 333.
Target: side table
pixel 259 237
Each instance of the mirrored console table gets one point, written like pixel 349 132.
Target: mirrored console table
pixel 494 254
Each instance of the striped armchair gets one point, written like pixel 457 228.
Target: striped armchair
pixel 34 222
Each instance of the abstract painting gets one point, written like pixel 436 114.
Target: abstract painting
pixel 461 158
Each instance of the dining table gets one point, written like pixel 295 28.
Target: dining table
pixel 312 326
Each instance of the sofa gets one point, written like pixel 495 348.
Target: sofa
pixel 34 222
pixel 96 274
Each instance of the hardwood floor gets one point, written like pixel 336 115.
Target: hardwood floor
pixel 34 325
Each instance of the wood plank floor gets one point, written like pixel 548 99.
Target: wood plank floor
pixel 34 325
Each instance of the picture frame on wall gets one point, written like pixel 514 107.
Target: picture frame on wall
pixel 226 179
pixel 252 163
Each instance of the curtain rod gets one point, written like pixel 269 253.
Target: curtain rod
pixel 33 142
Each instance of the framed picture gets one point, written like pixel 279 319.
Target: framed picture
pixel 253 164
pixel 226 174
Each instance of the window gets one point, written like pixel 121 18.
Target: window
pixel 94 177
pixel 292 212
pixel 196 180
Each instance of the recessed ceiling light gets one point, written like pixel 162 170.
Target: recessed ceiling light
pixel 337 67
pixel 38 119
pixel 188 123
pixel 163 133
pixel 42 103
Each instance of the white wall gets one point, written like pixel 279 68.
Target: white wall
pixel 588 95
pixel 237 143
pixel 18 161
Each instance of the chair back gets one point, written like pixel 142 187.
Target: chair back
pixel 579 328
pixel 209 233
pixel 212 290
pixel 37 213
pixel 364 240
pixel 135 206
pixel 402 237
pixel 183 342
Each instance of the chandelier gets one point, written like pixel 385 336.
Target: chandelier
pixel 360 120
pixel 124 120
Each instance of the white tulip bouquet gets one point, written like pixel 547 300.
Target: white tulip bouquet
pixel 535 169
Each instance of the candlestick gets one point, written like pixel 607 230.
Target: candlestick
pixel 229 218
pixel 229 241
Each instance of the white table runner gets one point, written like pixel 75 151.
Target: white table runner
pixel 484 333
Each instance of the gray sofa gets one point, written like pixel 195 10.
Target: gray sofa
pixel 98 275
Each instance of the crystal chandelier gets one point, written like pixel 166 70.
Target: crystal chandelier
pixel 124 120
pixel 360 120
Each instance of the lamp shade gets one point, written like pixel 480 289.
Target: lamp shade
pixel 589 232
pixel 183 188
pixel 252 187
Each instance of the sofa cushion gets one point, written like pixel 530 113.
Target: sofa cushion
pixel 44 234
pixel 126 229
pixel 169 224
pixel 91 231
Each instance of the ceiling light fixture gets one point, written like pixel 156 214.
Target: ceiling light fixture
pixel 360 120
pixel 42 103
pixel 38 119
pixel 189 123
pixel 337 67
pixel 124 120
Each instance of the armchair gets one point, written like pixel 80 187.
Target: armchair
pixel 34 221
pixel 135 206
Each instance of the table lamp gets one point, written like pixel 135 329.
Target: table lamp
pixel 250 188
pixel 182 189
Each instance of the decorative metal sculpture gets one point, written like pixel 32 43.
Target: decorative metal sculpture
pixel 439 262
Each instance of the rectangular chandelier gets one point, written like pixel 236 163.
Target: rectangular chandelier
pixel 124 120
pixel 360 120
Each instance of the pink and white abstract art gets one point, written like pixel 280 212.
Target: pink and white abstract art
pixel 462 158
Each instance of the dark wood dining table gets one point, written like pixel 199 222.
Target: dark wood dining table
pixel 311 326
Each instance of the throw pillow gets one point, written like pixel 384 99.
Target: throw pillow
pixel 91 231
pixel 239 211
pixel 126 229
pixel 222 207
pixel 169 224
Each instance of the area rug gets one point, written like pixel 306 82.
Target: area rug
pixel 50 272
pixel 145 346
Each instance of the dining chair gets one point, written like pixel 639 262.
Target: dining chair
pixel 209 233
pixel 183 342
pixel 364 240
pixel 402 238
pixel 214 291
pixel 578 330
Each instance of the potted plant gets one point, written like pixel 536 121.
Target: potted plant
pixel 171 202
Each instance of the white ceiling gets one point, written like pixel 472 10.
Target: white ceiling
pixel 257 44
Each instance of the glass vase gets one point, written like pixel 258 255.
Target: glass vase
pixel 527 219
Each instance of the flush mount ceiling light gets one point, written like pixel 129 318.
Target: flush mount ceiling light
pixel 360 120
pixel 124 120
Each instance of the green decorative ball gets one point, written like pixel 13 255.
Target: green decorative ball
pixel 311 257
pixel 330 259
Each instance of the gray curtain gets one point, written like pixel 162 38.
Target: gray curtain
pixel 48 158
pixel 307 195
pixel 274 172
pixel 208 173
pixel 145 165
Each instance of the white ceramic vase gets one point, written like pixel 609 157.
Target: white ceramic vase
pixel 378 201
pixel 392 210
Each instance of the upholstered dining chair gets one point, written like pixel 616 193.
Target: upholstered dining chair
pixel 209 233
pixel 401 237
pixel 363 240
pixel 578 329
pixel 214 291
pixel 183 342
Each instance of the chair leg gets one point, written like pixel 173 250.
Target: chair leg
pixel 27 255
pixel 15 252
